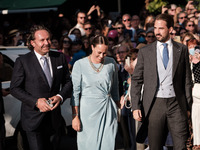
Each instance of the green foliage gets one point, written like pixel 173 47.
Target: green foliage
pixel 156 6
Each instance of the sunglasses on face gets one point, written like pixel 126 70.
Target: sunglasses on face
pixel 182 33
pixel 66 42
pixel 120 28
pixel 183 17
pixel 88 28
pixel 151 36
pixel 126 20
pixel 172 33
pixel 189 25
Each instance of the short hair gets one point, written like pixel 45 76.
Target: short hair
pixel 167 18
pixel 33 30
pixel 99 39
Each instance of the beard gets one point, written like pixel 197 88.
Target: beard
pixel 161 38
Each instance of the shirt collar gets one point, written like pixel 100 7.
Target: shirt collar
pixel 169 42
pixel 39 55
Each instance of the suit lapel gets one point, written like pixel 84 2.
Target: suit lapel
pixel 153 58
pixel 176 56
pixel 53 64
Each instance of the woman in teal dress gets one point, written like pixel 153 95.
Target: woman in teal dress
pixel 95 98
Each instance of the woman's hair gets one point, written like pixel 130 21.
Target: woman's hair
pixel 99 39
pixel 187 34
pixel 62 39
pixel 192 41
pixel 31 36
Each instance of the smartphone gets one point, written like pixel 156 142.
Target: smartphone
pixel 49 102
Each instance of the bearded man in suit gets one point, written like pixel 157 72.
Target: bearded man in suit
pixel 163 71
pixel 38 76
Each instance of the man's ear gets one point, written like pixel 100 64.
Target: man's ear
pixel 171 29
pixel 32 43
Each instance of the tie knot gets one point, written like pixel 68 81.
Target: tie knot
pixel 43 58
pixel 165 44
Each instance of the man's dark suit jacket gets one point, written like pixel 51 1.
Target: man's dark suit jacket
pixel 29 83
pixel 146 73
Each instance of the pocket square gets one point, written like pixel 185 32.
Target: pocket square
pixel 59 67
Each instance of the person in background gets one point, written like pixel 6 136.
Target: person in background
pixel 3 92
pixel 5 69
pixel 88 29
pixel 126 20
pixel 95 98
pixel 41 81
pixel 66 46
pixel 87 45
pixel 77 52
pixel 172 9
pixel 76 32
pixel 194 51
pixel 182 18
pixel 186 37
pixel 150 37
pixel 81 18
pixel 55 43
pixel 119 26
pixel 182 33
pixel 173 34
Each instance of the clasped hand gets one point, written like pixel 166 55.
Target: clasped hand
pixel 44 107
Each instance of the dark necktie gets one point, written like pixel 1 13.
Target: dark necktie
pixel 47 70
pixel 165 55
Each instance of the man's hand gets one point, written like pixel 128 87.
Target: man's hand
pixel 137 115
pixel 42 105
pixel 55 101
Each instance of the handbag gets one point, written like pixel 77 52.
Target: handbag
pixel 196 87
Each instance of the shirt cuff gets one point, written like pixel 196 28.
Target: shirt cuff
pixel 60 97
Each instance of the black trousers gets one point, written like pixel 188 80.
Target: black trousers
pixel 166 115
pixel 45 137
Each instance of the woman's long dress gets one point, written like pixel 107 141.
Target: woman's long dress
pixel 98 111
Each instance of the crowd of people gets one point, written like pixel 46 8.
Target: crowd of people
pixel 128 75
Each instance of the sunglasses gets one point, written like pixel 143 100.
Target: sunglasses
pixel 120 28
pixel 172 33
pixel 66 42
pixel 183 17
pixel 189 25
pixel 182 33
pixel 88 28
pixel 151 36
pixel 126 20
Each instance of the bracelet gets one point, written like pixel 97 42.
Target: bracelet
pixel 75 115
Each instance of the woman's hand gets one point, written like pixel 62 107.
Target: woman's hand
pixel 76 124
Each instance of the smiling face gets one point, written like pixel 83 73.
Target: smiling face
pixel 98 53
pixel 42 42
pixel 161 31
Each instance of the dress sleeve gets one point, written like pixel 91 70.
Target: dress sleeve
pixel 115 83
pixel 76 80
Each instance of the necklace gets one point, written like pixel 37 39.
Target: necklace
pixel 93 67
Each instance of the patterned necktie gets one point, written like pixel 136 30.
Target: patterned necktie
pixel 165 55
pixel 46 70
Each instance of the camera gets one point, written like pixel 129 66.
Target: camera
pixel 49 102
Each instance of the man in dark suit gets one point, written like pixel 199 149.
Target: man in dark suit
pixel 164 72
pixel 39 76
